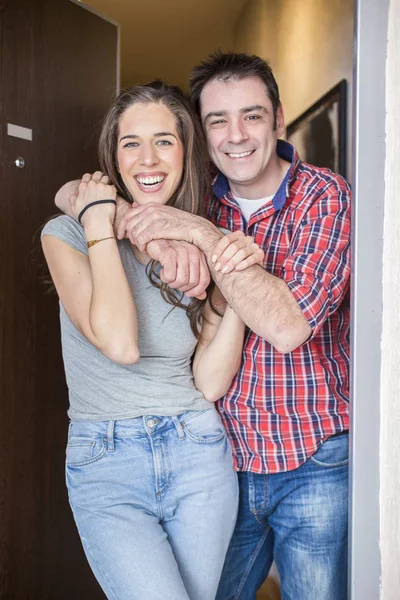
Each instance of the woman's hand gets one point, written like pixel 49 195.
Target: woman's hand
pixel 236 251
pixel 92 188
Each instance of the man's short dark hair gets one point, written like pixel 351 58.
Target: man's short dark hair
pixel 236 66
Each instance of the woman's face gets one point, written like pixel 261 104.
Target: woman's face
pixel 150 153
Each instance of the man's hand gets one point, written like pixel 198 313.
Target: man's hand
pixel 184 266
pixel 121 210
pixel 154 221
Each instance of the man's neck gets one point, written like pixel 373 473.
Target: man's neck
pixel 268 185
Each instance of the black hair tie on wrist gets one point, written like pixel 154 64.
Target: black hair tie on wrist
pixel 110 201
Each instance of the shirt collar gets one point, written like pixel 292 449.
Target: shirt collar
pixel 285 151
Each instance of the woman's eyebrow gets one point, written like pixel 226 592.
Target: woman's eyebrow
pixel 162 133
pixel 132 136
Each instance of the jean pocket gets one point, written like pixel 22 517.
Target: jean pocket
pixel 82 451
pixel 205 427
pixel 334 452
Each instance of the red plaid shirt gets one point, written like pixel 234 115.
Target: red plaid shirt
pixel 281 407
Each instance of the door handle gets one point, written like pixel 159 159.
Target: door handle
pixel 19 162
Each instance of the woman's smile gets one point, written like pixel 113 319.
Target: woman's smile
pixel 151 182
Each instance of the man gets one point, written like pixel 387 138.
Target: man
pixel 287 409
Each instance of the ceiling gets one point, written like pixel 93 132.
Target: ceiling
pixel 165 38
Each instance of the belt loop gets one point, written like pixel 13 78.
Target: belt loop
pixel 179 428
pixel 110 436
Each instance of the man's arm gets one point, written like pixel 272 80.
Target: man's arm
pixel 285 311
pixel 261 300
pixel 66 195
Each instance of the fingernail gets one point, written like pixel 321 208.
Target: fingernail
pixel 218 266
pixel 225 269
pixel 213 258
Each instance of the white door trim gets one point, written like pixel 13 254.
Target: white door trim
pixel 369 96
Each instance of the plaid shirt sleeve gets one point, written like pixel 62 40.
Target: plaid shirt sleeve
pixel 317 266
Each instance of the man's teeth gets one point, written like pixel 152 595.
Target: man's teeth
pixel 151 180
pixel 239 154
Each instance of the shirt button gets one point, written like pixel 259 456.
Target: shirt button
pixel 150 423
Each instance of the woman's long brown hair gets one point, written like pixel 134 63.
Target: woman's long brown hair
pixel 195 183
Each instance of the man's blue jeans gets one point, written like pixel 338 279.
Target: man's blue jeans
pixel 155 501
pixel 299 519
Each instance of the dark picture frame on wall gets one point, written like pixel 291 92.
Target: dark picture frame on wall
pixel 319 134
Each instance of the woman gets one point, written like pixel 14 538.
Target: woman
pixel 148 466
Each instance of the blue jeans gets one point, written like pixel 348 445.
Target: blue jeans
pixel 155 502
pixel 299 519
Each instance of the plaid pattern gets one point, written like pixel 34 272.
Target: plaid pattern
pixel 281 407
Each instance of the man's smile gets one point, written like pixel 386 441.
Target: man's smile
pixel 236 155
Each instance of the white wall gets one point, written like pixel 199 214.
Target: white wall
pixel 309 44
pixel 390 373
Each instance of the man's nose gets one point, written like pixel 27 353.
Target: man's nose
pixel 237 132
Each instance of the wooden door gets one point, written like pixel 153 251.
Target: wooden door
pixel 58 73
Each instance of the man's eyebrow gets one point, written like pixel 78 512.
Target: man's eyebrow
pixel 245 110
pixel 248 109
pixel 218 113
pixel 132 136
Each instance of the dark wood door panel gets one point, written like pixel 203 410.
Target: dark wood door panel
pixel 58 72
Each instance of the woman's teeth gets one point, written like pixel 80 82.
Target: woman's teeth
pixel 150 180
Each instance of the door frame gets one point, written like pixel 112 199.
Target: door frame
pixel 117 25
pixel 368 176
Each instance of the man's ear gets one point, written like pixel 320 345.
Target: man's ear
pixel 280 121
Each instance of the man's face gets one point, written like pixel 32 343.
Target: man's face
pixel 238 119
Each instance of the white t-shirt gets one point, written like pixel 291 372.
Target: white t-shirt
pixel 248 207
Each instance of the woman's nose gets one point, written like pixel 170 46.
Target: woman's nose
pixel 148 156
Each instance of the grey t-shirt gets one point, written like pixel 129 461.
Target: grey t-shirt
pixel 160 383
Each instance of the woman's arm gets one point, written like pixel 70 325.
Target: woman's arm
pixel 94 289
pixel 219 350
